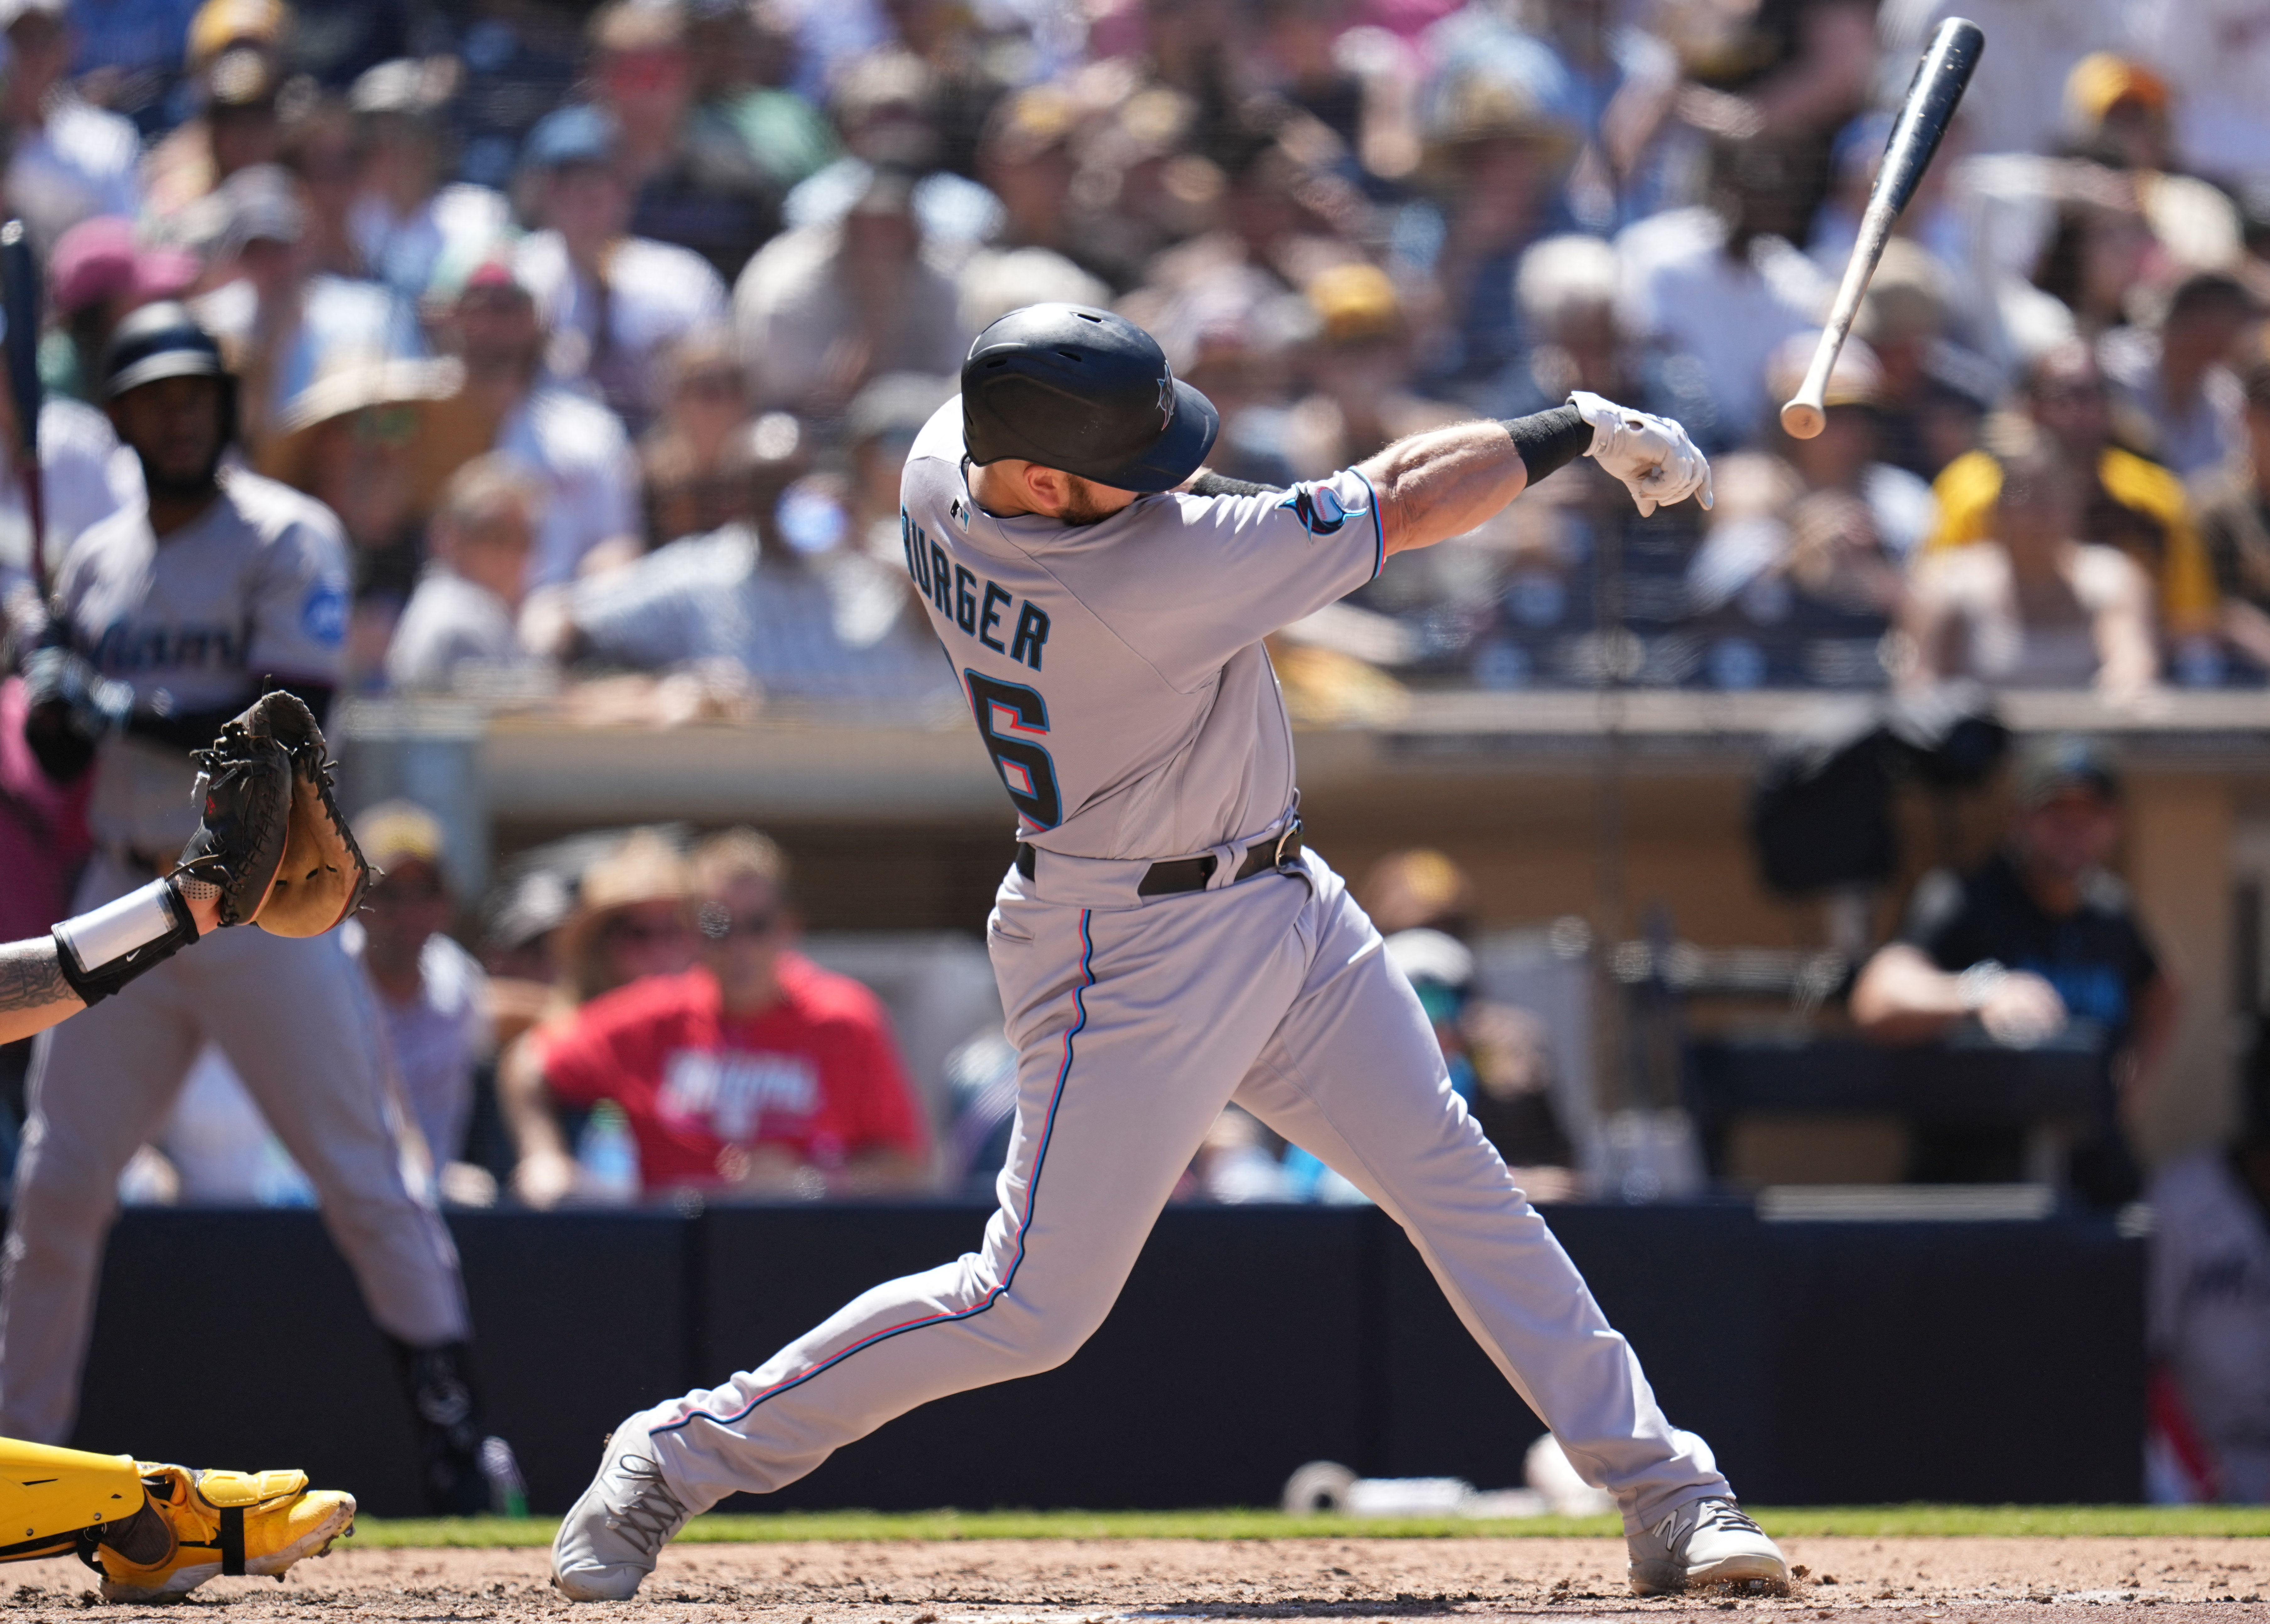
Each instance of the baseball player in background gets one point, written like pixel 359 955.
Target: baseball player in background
pixel 1164 944
pixel 171 613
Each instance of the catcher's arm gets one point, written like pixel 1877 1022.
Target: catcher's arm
pixel 271 848
pixel 37 984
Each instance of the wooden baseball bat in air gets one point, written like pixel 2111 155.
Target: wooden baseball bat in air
pixel 1924 117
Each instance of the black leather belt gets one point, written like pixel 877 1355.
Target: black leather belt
pixel 1191 873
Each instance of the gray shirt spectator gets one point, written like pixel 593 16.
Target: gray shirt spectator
pixel 463 608
pixel 822 310
pixel 825 627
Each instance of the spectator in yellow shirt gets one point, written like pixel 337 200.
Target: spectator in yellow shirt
pixel 2126 502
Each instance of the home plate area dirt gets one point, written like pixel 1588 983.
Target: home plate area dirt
pixel 1961 1581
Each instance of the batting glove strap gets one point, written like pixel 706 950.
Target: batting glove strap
pixel 1549 441
pixel 101 952
pixel 1657 463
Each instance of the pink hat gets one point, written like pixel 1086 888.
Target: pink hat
pixel 96 261
pixel 93 263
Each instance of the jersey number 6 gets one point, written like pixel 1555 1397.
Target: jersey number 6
pixel 1013 719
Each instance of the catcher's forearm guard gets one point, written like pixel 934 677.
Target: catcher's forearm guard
pixel 101 952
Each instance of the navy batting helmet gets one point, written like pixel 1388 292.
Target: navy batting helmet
pixel 1086 392
pixel 161 340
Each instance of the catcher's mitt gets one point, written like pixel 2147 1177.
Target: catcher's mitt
pixel 244 799
pixel 318 876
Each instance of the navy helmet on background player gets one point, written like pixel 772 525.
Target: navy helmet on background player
pixel 166 340
pixel 1085 392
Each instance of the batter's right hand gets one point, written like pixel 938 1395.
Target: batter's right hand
pixel 544 1178
pixel 1652 456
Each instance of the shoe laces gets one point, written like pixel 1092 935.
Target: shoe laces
pixel 1723 1514
pixel 651 1513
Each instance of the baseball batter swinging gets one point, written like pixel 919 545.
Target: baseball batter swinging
pixel 1164 943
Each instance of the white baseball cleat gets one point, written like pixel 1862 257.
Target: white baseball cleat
pixel 1705 1542
pixel 608 1541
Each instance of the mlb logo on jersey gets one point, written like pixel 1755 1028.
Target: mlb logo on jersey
pixel 1319 507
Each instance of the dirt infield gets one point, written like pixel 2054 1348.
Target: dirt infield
pixel 1972 1580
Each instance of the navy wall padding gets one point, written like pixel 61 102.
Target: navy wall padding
pixel 1827 1363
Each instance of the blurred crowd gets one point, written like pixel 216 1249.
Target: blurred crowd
pixel 604 333
pixel 639 1019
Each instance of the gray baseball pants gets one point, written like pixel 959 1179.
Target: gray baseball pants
pixel 1136 1019
pixel 295 1020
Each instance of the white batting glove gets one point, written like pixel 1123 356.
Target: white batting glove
pixel 1652 456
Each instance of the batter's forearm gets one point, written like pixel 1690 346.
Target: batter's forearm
pixel 1442 483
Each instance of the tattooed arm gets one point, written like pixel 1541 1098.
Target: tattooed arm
pixel 34 996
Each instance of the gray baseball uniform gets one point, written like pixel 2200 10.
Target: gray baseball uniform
pixel 1117 674
pixel 257 586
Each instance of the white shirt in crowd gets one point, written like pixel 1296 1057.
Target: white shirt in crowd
pixel 339 317
pixel 1684 296
pixel 2209 1314
pixel 436 1040
pixel 827 627
pixel 2207 430
pixel 580 452
pixel 255 586
pixel 657 293
pixel 81 162
pixel 2216 56
pixel 457 224
pixel 2016 99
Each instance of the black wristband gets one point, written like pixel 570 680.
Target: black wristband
pixel 125 938
pixel 1211 484
pixel 1549 440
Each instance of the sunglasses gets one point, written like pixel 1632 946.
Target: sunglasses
pixel 720 923
pixel 640 933
pixel 390 426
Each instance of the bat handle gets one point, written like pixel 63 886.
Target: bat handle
pixel 1807 413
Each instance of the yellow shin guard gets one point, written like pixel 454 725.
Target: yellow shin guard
pixel 49 1497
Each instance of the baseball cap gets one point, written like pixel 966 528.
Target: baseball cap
pixel 93 262
pixel 243 76
pixel 393 833
pixel 2048 767
pixel 262 206
pixel 97 261
pixel 405 87
pixel 2102 80
pixel 576 135
pixel 219 23
pixel 1355 301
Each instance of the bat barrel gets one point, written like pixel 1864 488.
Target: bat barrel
pixel 1940 78
pixel 1924 114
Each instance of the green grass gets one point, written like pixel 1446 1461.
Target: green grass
pixel 1875 1522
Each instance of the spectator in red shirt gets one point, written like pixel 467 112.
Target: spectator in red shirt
pixel 756 1071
